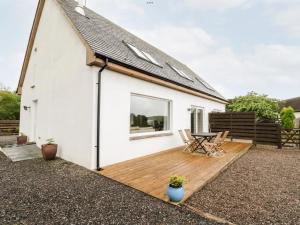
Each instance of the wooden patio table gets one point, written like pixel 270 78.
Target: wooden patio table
pixel 202 137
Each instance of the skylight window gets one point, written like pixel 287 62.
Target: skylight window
pixel 150 58
pixel 137 52
pixel 181 73
pixel 143 55
pixel 205 84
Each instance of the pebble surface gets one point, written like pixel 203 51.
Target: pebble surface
pixel 59 192
pixel 262 187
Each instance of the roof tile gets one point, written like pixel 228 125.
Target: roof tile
pixel 107 39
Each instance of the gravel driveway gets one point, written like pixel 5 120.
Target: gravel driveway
pixel 262 187
pixel 59 192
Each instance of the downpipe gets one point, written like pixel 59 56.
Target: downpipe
pixel 98 117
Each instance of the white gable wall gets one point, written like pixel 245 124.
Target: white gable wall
pixel 64 90
pixel 115 117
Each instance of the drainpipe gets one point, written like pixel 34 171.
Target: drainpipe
pixel 98 116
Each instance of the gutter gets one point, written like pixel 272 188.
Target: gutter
pixel 116 62
pixel 98 117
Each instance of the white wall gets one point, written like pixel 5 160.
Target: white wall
pixel 297 119
pixel 64 90
pixel 115 120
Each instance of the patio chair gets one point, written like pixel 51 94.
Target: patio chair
pixel 212 147
pixel 190 143
pixel 189 134
pixel 222 140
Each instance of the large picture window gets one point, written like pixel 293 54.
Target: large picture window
pixel 149 114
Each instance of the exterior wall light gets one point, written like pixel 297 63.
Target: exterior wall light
pixel 26 107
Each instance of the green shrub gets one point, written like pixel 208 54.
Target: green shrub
pixel 287 116
pixel 177 181
pixel 9 105
pixel 265 108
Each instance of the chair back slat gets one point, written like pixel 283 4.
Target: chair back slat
pixel 217 138
pixel 182 136
pixel 189 134
pixel 225 135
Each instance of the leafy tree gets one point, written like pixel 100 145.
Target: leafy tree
pixel 9 104
pixel 266 108
pixel 287 116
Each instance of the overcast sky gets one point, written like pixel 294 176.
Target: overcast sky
pixel 235 45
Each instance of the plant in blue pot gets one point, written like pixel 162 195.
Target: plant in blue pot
pixel 175 188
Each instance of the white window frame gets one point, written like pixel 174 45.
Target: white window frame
pixel 203 82
pixel 181 73
pixel 170 116
pixel 203 114
pixel 143 55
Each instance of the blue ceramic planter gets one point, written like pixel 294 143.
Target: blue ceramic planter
pixel 175 194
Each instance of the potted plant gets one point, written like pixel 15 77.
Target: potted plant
pixel 22 139
pixel 49 149
pixel 175 188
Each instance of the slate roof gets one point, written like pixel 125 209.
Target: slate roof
pixel 293 102
pixel 107 39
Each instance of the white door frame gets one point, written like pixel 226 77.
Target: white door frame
pixel 196 124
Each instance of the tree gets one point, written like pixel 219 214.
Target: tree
pixel 287 116
pixel 9 105
pixel 265 108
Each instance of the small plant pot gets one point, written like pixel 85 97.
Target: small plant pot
pixel 175 194
pixel 49 151
pixel 21 140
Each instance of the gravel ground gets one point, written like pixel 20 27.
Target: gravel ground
pixel 59 192
pixel 262 187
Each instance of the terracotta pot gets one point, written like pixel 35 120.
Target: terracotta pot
pixel 21 140
pixel 49 151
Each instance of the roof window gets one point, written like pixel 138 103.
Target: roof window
pixel 204 83
pixel 181 73
pixel 142 54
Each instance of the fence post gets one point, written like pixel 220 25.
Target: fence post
pixel 255 135
pixel 209 122
pixel 299 139
pixel 279 136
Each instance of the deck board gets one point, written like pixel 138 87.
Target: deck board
pixel 150 174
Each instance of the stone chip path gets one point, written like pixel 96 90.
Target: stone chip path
pixel 23 152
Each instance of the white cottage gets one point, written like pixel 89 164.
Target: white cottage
pixel 103 94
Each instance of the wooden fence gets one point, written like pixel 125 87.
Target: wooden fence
pixel 9 127
pixel 290 137
pixel 243 125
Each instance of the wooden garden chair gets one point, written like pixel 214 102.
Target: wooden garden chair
pixel 190 143
pixel 212 147
pixel 189 134
pixel 222 141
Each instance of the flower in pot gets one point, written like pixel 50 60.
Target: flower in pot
pixel 175 188
pixel 49 149
pixel 22 139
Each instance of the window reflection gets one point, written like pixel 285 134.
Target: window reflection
pixel 149 114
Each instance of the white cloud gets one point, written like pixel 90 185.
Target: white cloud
pixel 284 2
pixel 176 40
pixel 289 18
pixel 220 5
pixel 115 8
pixel 269 69
pixel 11 69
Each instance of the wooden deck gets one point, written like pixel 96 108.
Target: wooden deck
pixel 150 174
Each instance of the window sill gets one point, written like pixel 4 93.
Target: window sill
pixel 145 136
